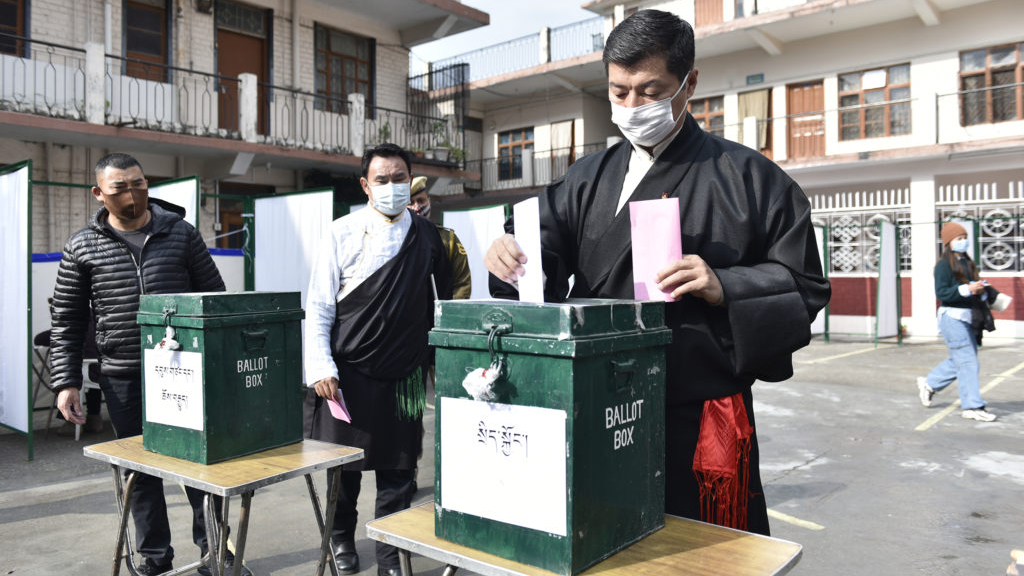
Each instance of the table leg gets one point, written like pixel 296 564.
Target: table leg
pixel 450 570
pixel 315 500
pixel 243 528
pixel 326 550
pixel 213 536
pixel 123 497
pixel 404 562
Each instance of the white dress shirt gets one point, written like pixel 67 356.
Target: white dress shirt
pixel 640 163
pixel 358 245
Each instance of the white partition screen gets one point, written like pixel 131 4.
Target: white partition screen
pixel 288 232
pixel 818 324
pixel 15 294
pixel 183 192
pixel 887 311
pixel 477 229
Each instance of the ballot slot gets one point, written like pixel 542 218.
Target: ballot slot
pixel 549 428
pixel 222 373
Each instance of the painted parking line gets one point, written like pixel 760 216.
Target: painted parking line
pixel 794 520
pixel 854 353
pixel 955 405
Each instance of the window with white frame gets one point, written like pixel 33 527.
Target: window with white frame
pixel 874 103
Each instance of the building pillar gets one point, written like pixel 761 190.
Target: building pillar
pixel 248 106
pixel 923 255
pixel 545 45
pixel 95 102
pixel 356 123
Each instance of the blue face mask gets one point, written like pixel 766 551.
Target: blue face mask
pixel 960 245
pixel 391 198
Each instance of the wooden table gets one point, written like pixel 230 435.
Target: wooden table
pixel 238 476
pixel 683 547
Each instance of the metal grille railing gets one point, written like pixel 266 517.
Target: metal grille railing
pixel 577 39
pixel 49 80
pixel 171 99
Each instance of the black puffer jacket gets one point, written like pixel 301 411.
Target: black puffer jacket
pixel 99 269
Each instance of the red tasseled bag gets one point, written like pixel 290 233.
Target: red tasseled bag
pixel 722 462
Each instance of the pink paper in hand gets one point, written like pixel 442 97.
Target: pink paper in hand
pixel 654 230
pixel 338 408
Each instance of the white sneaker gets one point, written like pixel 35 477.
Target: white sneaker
pixel 924 391
pixel 979 414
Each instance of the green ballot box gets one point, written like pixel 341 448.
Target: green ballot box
pixel 222 373
pixel 550 428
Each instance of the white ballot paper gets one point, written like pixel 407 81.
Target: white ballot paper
pixel 527 219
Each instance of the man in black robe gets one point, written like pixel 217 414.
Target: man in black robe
pixel 746 289
pixel 369 307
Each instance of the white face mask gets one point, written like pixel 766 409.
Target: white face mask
pixel 959 245
pixel 649 124
pixel 391 198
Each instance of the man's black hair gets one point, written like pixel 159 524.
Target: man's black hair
pixel 386 150
pixel 651 33
pixel 117 160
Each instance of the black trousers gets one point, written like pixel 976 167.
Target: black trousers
pixel 149 508
pixel 682 493
pixel 394 494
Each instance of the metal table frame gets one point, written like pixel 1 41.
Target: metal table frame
pixel 684 547
pixel 238 476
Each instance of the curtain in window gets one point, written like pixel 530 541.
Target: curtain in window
pixel 755 104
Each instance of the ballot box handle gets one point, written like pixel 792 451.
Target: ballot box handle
pixel 622 374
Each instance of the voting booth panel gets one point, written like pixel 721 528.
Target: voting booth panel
pixel 477 229
pixel 553 456
pixel 182 192
pixel 15 297
pixel 222 373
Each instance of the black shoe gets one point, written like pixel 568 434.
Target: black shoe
pixel 149 569
pixel 229 567
pixel 346 559
pixel 381 571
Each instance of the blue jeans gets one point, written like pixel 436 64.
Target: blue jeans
pixel 962 364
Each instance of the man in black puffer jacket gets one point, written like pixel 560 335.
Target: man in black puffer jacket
pixel 133 245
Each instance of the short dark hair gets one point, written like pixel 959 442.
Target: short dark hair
pixel 651 33
pixel 386 150
pixel 117 160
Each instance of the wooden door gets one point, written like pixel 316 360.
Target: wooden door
pixel 237 54
pixel 145 28
pixel 707 12
pixel 805 106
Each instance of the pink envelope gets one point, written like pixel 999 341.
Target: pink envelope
pixel 338 408
pixel 654 230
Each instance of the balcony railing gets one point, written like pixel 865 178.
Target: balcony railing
pixel 48 79
pixel 525 172
pixel 303 120
pixel 577 39
pixel 566 42
pixel 170 99
pixel 65 82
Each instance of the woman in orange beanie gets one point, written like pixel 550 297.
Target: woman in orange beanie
pixel 959 289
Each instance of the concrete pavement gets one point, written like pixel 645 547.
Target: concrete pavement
pixel 855 470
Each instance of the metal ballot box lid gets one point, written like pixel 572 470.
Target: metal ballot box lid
pixel 222 373
pixel 550 428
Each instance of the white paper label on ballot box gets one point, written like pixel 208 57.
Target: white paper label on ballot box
pixel 174 388
pixel 505 463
